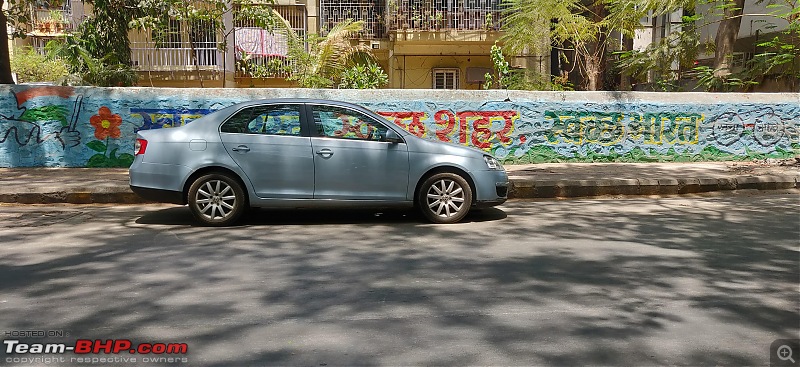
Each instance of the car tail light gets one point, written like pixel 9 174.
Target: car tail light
pixel 139 147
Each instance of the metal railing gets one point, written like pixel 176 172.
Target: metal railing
pixel 177 49
pixel 52 20
pixel 443 15
pixel 261 53
pixel 371 12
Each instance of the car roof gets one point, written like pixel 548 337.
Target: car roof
pixel 299 100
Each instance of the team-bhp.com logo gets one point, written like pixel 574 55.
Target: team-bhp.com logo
pixel 89 349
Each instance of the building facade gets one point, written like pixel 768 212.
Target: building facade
pixel 421 44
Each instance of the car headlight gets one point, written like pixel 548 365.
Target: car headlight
pixel 492 163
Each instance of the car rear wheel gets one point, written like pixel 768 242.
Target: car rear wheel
pixel 444 198
pixel 216 200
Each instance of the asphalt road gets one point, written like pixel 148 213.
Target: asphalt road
pixel 635 281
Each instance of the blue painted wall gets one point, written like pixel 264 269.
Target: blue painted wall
pixel 95 127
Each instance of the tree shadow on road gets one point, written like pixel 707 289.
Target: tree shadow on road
pixel 641 282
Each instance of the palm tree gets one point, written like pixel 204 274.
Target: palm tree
pixel 322 63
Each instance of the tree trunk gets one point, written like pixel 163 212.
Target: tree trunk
pixel 5 58
pixel 193 55
pixel 594 74
pixel 625 79
pixel 726 37
pixel 596 58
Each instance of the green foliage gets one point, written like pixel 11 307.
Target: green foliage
pixel 260 68
pixel 501 70
pixel 660 59
pixel 31 66
pixel 585 28
pixel 105 31
pixel 18 17
pixel 778 57
pixel 364 76
pixel 325 60
pixel 522 79
pixel 86 69
pixel 114 75
pixel 505 77
pixel 708 78
pixel 202 18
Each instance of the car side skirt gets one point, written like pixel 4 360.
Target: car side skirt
pixel 327 203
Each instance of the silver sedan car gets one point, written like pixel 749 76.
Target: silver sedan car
pixel 303 153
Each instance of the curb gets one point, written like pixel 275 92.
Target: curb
pixel 62 197
pixel 520 188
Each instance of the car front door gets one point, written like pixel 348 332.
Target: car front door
pixel 351 160
pixel 267 143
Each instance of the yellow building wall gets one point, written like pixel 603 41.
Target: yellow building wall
pixel 413 55
pixel 416 72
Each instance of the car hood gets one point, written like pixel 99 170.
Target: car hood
pixel 439 147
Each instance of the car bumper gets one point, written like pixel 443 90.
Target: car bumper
pixel 159 195
pixel 158 182
pixel 491 188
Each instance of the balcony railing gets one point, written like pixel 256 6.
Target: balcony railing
pixel 263 54
pixel 443 15
pixel 371 12
pixel 51 20
pixel 258 52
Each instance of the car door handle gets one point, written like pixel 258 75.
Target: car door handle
pixel 241 148
pixel 325 152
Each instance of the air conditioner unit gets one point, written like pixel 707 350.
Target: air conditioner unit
pixel 476 75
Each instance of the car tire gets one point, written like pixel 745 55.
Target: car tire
pixel 216 200
pixel 444 198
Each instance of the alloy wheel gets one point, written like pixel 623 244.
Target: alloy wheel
pixel 445 198
pixel 215 200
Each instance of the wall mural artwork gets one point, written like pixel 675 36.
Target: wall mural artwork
pixel 540 132
pixel 96 127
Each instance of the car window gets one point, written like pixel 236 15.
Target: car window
pixel 337 122
pixel 268 120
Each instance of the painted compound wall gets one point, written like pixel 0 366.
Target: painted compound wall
pixel 95 127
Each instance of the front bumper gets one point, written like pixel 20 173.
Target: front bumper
pixel 491 188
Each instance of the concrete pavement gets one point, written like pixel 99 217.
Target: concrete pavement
pixel 549 180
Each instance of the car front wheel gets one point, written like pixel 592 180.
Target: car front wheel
pixel 216 200
pixel 445 198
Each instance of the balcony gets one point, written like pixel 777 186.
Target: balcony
pixel 443 15
pixel 371 12
pixel 262 54
pixel 52 18
pixel 258 53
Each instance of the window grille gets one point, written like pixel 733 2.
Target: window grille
pixel 446 78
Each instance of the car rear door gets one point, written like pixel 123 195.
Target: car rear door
pixel 270 145
pixel 350 159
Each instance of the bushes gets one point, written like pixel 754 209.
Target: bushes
pixel 32 67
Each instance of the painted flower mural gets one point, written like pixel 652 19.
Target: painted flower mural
pixel 106 124
pixel 106 127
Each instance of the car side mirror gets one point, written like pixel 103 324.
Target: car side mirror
pixel 392 137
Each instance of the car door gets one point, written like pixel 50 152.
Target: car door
pixel 351 160
pixel 270 146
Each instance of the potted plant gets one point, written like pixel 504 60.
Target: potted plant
pixel 56 21
pixel 55 4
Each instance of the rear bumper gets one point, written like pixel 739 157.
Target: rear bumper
pixel 158 195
